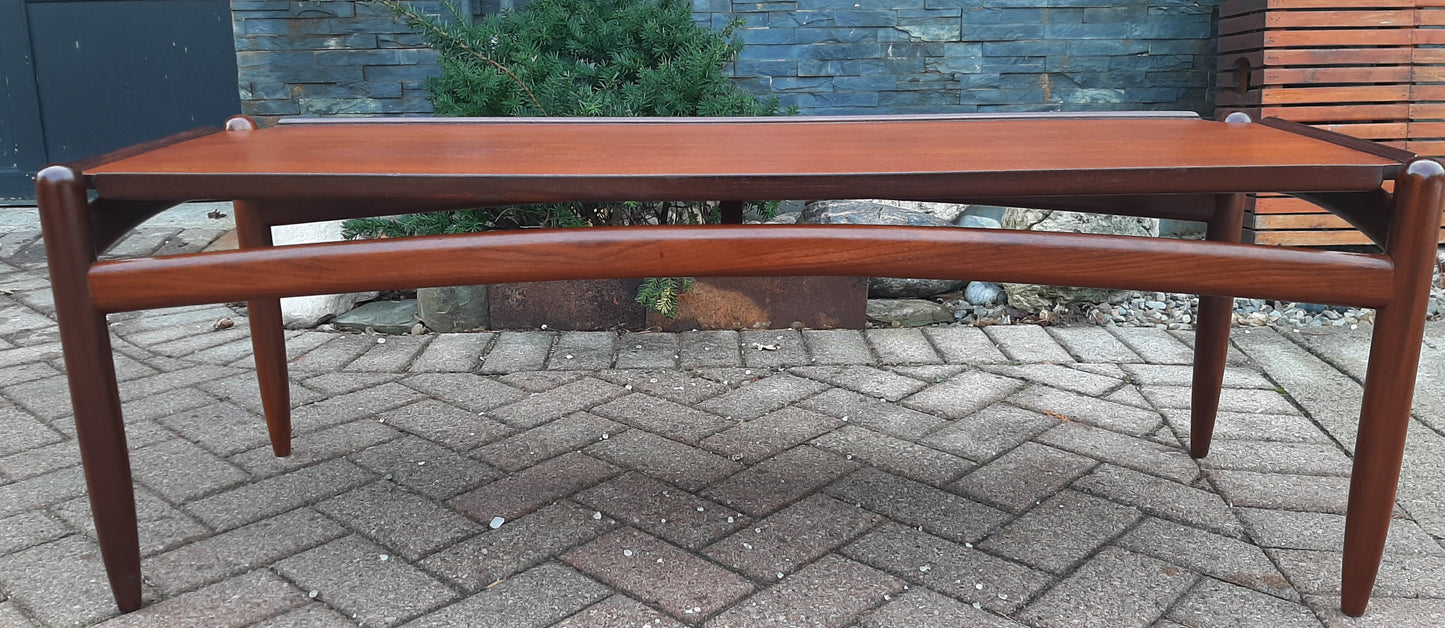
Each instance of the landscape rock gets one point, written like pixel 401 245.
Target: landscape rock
pixel 908 312
pixel 901 288
pixel 1034 299
pixel 869 212
pixel 984 293
pixel 453 308
pixel 885 212
pixel 979 222
pixel 309 311
pixel 387 317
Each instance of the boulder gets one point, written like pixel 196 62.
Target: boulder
pixel 310 311
pixel 885 212
pixel 453 308
pixel 1033 299
pixel 387 317
pixel 908 312
pixel 872 212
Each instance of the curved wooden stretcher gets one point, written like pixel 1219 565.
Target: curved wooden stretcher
pixel 1149 164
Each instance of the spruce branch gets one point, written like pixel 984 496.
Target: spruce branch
pixel 417 19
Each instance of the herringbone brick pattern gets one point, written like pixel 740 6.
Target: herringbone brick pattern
pixel 1003 476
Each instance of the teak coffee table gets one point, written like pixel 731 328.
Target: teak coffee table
pixel 1163 165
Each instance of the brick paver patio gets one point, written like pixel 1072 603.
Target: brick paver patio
pixel 1001 476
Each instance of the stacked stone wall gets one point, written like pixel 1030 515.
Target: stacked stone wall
pixel 822 56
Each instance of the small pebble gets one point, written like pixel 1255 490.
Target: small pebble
pixel 597 515
pixel 627 552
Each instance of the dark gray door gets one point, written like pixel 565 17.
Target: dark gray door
pixel 87 76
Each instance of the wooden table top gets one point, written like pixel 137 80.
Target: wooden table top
pixel 670 158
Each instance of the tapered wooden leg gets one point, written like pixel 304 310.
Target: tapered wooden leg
pixel 268 339
pixel 1211 336
pixel 1390 379
pixel 268 336
pixel 99 429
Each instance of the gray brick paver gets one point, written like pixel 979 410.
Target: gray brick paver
pixel 662 510
pixel 389 354
pixel 11 616
pixel 645 567
pixel 445 424
pixel 518 545
pixel 1143 455
pixel 1278 474
pixel 425 467
pixel 350 575
pixel 230 553
pixel 1088 343
pixel 963 394
pixel 533 599
pixel 780 480
pixel 902 346
pixel 1061 531
pixel 313 447
pixel 403 521
pixel 1214 603
pixel 1285 491
pixel 28 529
pixel 674 385
pixel 647 351
pixel 922 607
pixel 465 390
pixel 792 537
pixel 256 501
pixel 1086 409
pixel 237 602
pixel 528 447
pixel 762 396
pixel 619 610
pixel 871 381
pixel 871 413
pixel 1115 588
pixel 701 349
pixel 964 345
pixel 161 525
pixel 1228 559
pixel 773 348
pixel 514 351
pixel 894 455
pixel 837 346
pixel 63 582
pixel 1401 575
pixel 1021 478
pixel 1156 346
pixel 936 511
pixel 310 615
pixel 452 353
pixel 827 593
pixel 989 432
pixel 1162 498
pixel 520 493
pixel 542 407
pixel 1027 343
pixel 963 572
pixel 1289 529
pixel 662 417
pixel 770 434
pixel 583 351
pixel 683 465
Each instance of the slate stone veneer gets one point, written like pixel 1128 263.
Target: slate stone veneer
pixel 823 56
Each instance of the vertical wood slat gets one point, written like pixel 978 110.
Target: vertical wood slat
pixel 1373 69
